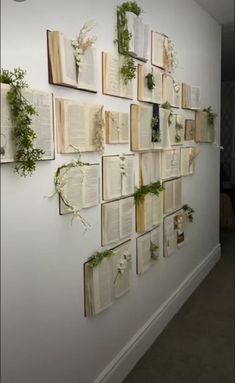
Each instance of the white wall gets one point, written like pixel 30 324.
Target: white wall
pixel 46 338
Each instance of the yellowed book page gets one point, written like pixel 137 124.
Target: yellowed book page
pixel 143 253
pixel 168 196
pixel 176 102
pixel 140 211
pixel 171 163
pixel 121 269
pixel 73 188
pixel 203 131
pixel 123 128
pixel 187 162
pixel 170 241
pixel 168 89
pixel 156 209
pixel 112 187
pixel 87 77
pixel 93 112
pixel 145 127
pixel 91 185
pixel 135 127
pixel 7 144
pixel 111 74
pixel 194 97
pixel 185 96
pixel 164 129
pixel 158 49
pixel 148 213
pixel 128 179
pixel 68 65
pixel 178 193
pixel 126 217
pixel 110 223
pixel 126 90
pixel 155 236
pixel 144 93
pixel 157 92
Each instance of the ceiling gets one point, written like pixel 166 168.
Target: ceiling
pixel 221 10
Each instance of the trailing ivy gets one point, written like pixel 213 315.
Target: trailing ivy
pixel 98 257
pixel 22 113
pixel 189 212
pixel 210 116
pixel 153 188
pixel 128 68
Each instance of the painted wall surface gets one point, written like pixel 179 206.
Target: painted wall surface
pixel 45 337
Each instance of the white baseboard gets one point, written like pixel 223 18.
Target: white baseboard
pixel 122 364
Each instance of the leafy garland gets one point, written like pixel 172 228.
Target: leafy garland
pixel 210 116
pixel 153 188
pixel 168 106
pixel 153 249
pixel 128 68
pixel 22 113
pixel 60 182
pixel 98 257
pixel 189 212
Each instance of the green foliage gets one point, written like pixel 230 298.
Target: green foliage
pixel 22 113
pixel 150 81
pixel 153 249
pixel 156 137
pixel 189 212
pixel 210 116
pixel 154 121
pixel 166 105
pixel 98 257
pixel 128 69
pixel 153 188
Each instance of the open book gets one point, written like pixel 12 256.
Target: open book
pixel 150 167
pixel 189 130
pixel 116 127
pixel 187 160
pixel 171 163
pixel 62 65
pixel 117 220
pixel 176 129
pixel 153 95
pixel 105 282
pixel 171 91
pixel 161 50
pixel 148 249
pixel 76 125
pixel 172 195
pixel 42 124
pixel 112 82
pixel 173 232
pixel 190 96
pixel 80 187
pixel 118 176
pixel 204 132
pixel 139 32
pixel 149 212
pixel 146 135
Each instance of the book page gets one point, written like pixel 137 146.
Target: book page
pixel 123 128
pixel 42 123
pixel 73 179
pixel 158 89
pixel 92 113
pixel 87 74
pixel 111 74
pixel 117 127
pixel 155 237
pixel 146 167
pixel 148 218
pixel 171 163
pixel 143 253
pixel 168 89
pixel 91 188
pixel 110 223
pixel 158 49
pixel 145 127
pixel 68 65
pixel 176 102
pixel 128 179
pixel 131 27
pixel 121 258
pixel 126 90
pixel 111 177
pixel 7 144
pixel 194 97
pixel 164 129
pixel 156 209
pixel 189 129
pixel 126 217
pixel 144 93
pixel 184 162
pixel 204 133
pixel 177 193
pixel 168 196
pixel 170 243
pixel 143 54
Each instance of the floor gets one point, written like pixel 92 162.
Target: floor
pixel 198 344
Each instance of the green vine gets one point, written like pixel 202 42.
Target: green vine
pixel 153 249
pixel 210 116
pixel 98 257
pixel 189 212
pixel 128 68
pixel 151 83
pixel 153 188
pixel 22 113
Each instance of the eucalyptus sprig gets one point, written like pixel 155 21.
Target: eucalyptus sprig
pixel 189 212
pixel 22 113
pixel 153 249
pixel 153 188
pixel 210 116
pixel 98 257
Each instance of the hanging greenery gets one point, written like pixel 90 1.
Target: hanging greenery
pixel 153 188
pixel 128 68
pixel 22 113
pixel 98 257
pixel 167 105
pixel 153 249
pixel 151 83
pixel 189 212
pixel 210 116
pixel 60 181
pixel 156 136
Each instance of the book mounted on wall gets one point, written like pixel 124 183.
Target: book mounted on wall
pixel 176 129
pixel 118 176
pixel 77 124
pixel 149 127
pixel 173 232
pixel 149 212
pixel 139 36
pixel 149 84
pixel 116 127
pixel 171 91
pixel 171 163
pixel 117 220
pixel 148 250
pixel 172 195
pixel 62 64
pixel 189 130
pixel 204 131
pixel 190 96
pixel 108 280
pixel 150 167
pixel 112 82
pixel 80 187
pixel 162 54
pixel 187 160
pixel 42 124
